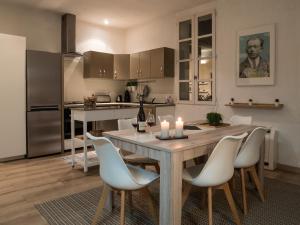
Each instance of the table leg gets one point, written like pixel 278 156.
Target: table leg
pixel 170 188
pixel 261 164
pixel 85 160
pixel 73 138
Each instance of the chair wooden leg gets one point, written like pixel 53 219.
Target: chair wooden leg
pixel 152 205
pixel 102 201
pixel 231 203
pixel 157 168
pixel 209 198
pixel 186 191
pixel 122 217
pixel 257 183
pixel 244 191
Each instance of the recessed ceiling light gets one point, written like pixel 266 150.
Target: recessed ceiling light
pixel 106 21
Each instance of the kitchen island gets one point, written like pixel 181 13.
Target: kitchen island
pixel 106 111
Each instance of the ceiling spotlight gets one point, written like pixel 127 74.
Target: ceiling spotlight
pixel 106 21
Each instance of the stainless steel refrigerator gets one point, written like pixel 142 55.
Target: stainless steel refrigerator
pixel 44 91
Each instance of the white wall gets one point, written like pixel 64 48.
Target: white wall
pixel 41 28
pixel 97 38
pixel 233 15
pixel 240 15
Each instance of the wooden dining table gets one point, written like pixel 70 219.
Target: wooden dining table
pixel 171 154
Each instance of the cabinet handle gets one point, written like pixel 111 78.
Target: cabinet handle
pixel 161 69
pixel 140 72
pixel 115 74
pixel 137 71
pixel 104 71
pixel 100 71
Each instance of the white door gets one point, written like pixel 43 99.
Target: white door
pixel 12 96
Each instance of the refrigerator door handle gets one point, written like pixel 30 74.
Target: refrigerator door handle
pixel 45 108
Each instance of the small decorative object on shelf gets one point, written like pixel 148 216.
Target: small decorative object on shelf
pixel 276 102
pixel 214 118
pixel 231 101
pixel 250 102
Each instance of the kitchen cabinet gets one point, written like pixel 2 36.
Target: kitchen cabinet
pixel 98 65
pixel 121 67
pixel 162 63
pixel 140 65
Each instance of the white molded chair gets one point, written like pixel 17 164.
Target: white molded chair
pixel 246 160
pixel 240 120
pixel 216 173
pixel 168 118
pixel 136 159
pixel 119 176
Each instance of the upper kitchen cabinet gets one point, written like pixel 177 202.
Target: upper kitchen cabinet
pixel 98 65
pixel 162 63
pixel 121 66
pixel 134 65
pixel 140 65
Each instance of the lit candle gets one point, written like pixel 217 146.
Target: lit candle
pixel 164 125
pixel 179 127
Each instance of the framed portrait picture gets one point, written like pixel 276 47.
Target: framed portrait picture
pixel 256 56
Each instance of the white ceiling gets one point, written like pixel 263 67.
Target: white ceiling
pixel 120 13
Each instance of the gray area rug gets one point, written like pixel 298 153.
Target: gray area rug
pixel 282 207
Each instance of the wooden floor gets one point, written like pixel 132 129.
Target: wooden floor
pixel 26 182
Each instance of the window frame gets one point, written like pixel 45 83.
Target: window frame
pixel 195 77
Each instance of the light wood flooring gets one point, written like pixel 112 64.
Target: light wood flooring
pixel 26 182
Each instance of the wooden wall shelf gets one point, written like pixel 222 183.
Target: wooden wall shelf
pixel 255 106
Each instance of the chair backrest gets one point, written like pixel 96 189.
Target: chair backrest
pixel 238 120
pixel 113 170
pixel 250 150
pixel 124 124
pixel 168 118
pixel 219 167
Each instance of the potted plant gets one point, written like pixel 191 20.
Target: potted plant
pixel 231 101
pixel 131 85
pixel 214 118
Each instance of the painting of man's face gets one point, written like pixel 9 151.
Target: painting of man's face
pixel 254 56
pixel 254 47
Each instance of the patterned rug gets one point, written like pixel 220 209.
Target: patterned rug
pixel 282 207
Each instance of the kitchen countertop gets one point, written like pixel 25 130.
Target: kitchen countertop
pixel 115 105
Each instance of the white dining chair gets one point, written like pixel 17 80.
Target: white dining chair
pixel 216 173
pixel 116 175
pixel 246 160
pixel 240 120
pixel 136 159
pixel 169 118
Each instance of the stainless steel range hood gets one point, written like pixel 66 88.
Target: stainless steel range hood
pixel 68 36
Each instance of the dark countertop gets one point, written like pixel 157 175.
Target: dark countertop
pixel 115 105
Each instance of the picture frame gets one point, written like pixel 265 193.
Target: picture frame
pixel 256 56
